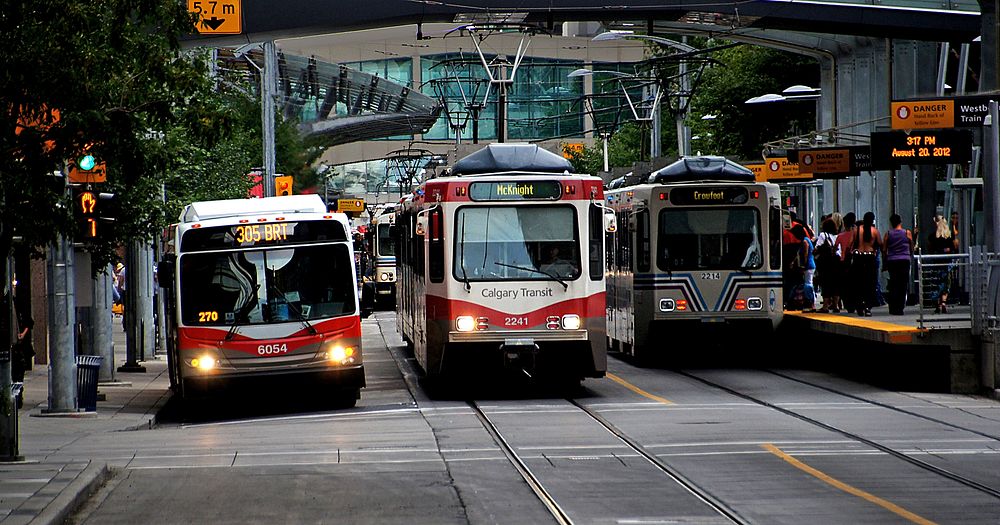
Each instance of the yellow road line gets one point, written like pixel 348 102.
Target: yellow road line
pixel 638 390
pixel 891 507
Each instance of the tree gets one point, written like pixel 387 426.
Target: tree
pixel 740 129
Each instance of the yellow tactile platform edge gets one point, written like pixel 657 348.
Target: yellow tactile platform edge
pixel 894 333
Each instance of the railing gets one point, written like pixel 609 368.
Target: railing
pixel 969 272
pixel 937 274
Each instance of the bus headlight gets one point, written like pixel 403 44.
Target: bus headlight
pixel 205 362
pixel 339 354
pixel 465 323
pixel 571 322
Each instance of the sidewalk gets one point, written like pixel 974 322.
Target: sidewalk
pixel 47 485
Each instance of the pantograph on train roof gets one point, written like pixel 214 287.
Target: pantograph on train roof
pixel 501 158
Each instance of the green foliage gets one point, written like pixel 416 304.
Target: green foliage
pixel 741 129
pixel 625 147
pixel 125 92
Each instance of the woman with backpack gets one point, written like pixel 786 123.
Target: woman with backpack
pixel 828 266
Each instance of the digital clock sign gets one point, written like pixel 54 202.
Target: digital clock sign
pixel 533 190
pixel 261 234
pixel 892 149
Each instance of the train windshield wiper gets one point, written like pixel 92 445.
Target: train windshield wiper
pixel 296 310
pixel 536 270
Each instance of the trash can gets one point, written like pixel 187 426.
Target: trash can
pixel 88 369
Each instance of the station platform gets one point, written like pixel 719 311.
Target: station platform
pixel 933 352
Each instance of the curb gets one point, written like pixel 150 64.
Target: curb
pixel 70 498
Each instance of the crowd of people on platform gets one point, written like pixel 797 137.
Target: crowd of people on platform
pixel 844 260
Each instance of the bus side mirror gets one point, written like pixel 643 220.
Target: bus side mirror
pixel 165 273
pixel 610 223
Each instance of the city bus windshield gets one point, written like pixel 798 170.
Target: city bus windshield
pixel 505 243
pixel 709 239
pixel 266 286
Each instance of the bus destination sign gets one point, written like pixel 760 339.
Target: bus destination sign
pixel 891 149
pixel 534 190
pixel 261 234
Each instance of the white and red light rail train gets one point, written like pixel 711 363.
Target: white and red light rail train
pixel 501 266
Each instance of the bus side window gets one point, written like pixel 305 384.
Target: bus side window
pixel 774 231
pixel 596 240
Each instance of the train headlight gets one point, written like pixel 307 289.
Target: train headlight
pixel 755 303
pixel 571 322
pixel 205 362
pixel 667 305
pixel 465 323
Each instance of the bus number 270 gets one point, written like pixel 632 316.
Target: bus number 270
pixel 272 349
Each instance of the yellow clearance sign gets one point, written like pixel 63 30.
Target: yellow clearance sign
pixel 777 169
pixel 218 17
pixel 758 171
pixel 923 114
pixel 825 161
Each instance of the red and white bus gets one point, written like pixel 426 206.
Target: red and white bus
pixel 501 263
pixel 262 288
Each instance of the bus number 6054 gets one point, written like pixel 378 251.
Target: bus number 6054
pixel 272 349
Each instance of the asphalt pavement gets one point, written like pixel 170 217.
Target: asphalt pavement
pixel 47 485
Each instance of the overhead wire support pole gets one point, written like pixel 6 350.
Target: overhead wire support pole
pixel 268 92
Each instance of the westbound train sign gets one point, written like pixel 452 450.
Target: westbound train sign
pixel 955 112
pixel 892 149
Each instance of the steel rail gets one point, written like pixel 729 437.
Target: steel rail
pixel 986 489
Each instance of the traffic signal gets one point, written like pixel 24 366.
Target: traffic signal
pixel 283 185
pixel 95 212
pixel 85 169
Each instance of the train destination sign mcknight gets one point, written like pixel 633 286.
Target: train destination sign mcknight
pixel 532 190
pixel 891 149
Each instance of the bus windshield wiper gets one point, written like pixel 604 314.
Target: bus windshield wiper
pixel 241 313
pixel 536 270
pixel 296 309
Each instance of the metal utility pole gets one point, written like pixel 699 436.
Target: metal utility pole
pixel 101 325
pixel 9 445
pixel 132 310
pixel 991 184
pixel 268 92
pixel 61 327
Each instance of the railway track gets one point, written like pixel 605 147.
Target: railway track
pixel 958 478
pixel 560 514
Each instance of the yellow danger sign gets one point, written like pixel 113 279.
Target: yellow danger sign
pixel 758 171
pixel 923 114
pixel 779 168
pixel 825 161
pixel 217 17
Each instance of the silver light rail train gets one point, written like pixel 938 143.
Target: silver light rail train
pixel 697 248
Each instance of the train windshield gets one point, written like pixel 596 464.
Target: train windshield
pixel 266 286
pixel 709 239
pixel 386 248
pixel 508 243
